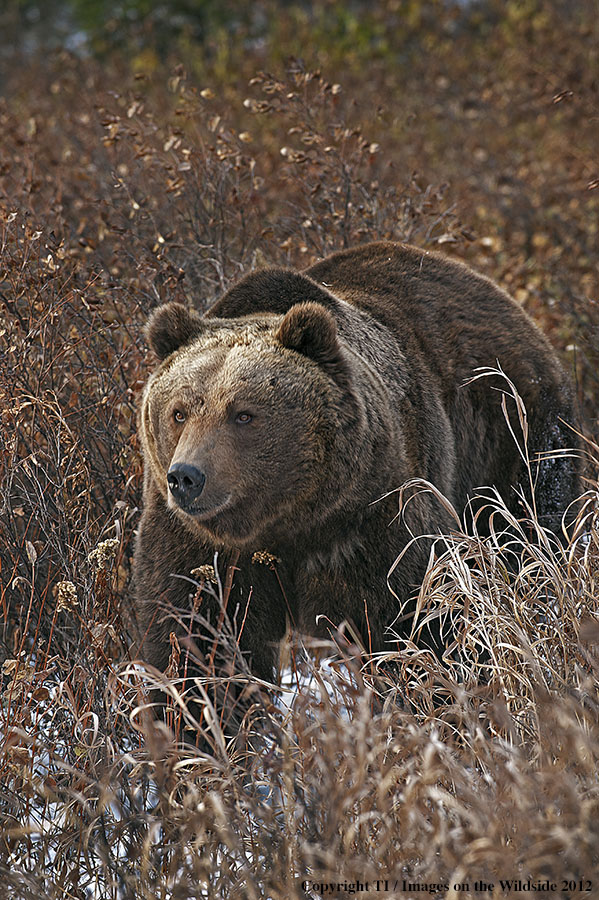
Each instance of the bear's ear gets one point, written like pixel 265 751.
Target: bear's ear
pixel 172 326
pixel 310 329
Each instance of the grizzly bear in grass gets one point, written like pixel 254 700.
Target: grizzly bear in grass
pixel 286 418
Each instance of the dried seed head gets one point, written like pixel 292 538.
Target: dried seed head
pixel 205 573
pixel 66 593
pixel 104 553
pixel 264 558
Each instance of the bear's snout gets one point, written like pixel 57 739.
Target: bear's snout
pixel 185 483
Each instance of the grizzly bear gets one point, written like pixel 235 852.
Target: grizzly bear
pixel 286 419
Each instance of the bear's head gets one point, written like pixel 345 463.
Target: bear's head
pixel 241 421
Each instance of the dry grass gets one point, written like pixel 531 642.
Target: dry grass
pixel 480 766
pixel 117 193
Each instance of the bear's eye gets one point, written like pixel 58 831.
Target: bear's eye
pixel 179 416
pixel 243 418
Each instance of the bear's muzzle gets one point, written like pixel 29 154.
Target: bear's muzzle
pixel 185 482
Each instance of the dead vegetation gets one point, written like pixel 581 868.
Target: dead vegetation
pixel 120 191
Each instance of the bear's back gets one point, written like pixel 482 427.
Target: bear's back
pixel 440 310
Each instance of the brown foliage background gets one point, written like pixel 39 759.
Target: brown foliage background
pixel 137 178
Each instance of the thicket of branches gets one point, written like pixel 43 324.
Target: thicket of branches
pixel 120 190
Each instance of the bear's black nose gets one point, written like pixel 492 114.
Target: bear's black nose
pixel 185 483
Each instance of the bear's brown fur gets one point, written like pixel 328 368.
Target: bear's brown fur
pixel 298 401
